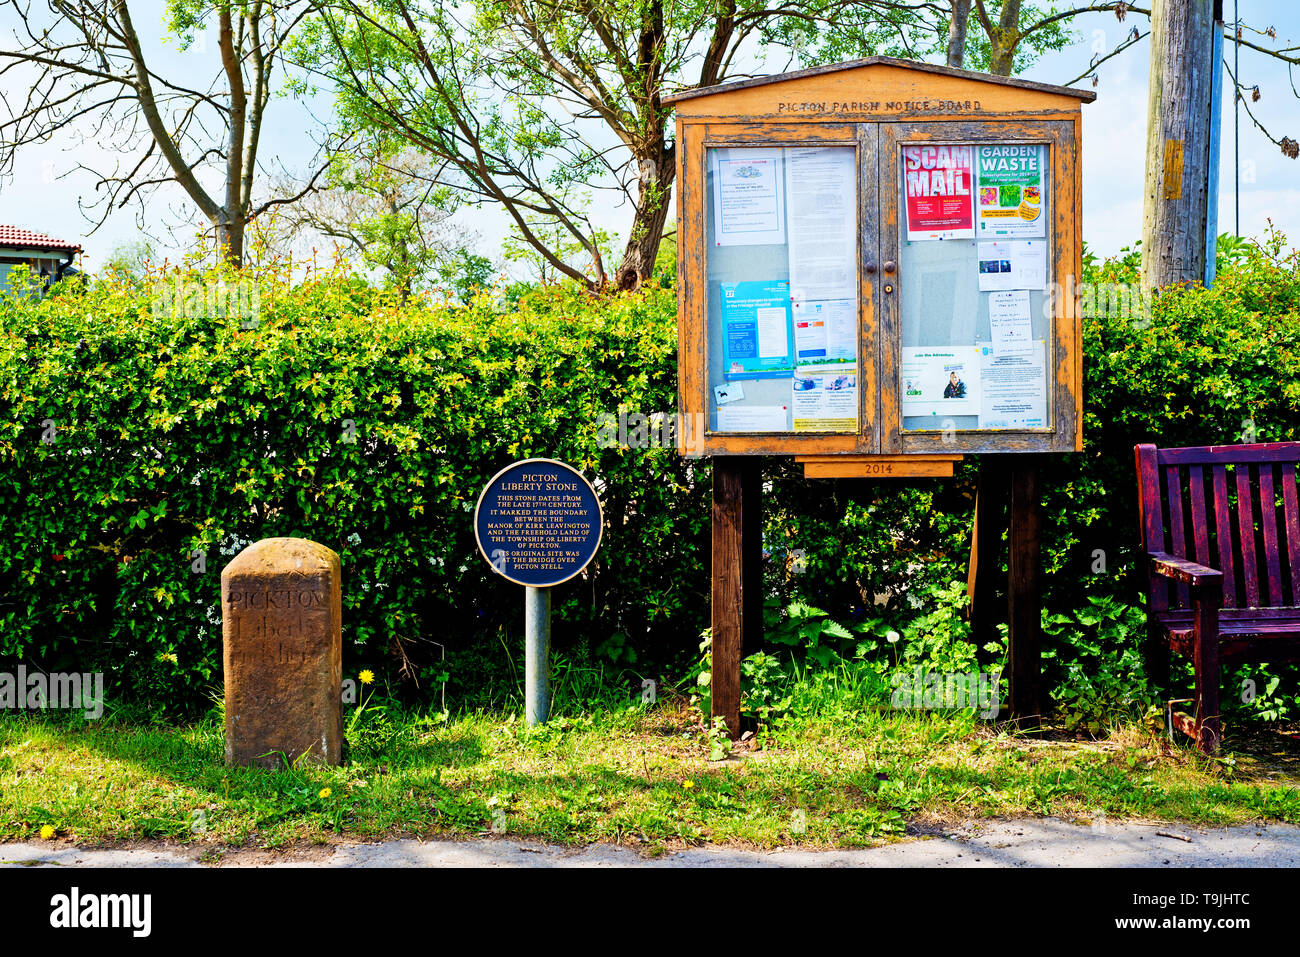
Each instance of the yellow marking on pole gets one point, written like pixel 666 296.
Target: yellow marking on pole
pixel 1173 169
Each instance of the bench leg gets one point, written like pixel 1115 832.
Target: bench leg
pixel 1208 677
pixel 1157 656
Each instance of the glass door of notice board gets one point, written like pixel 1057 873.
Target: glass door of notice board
pixel 783 234
pixel 969 264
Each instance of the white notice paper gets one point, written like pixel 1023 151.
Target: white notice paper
pixel 1013 264
pixel 747 201
pixel 821 195
pixel 940 382
pixel 809 337
pixel 1010 322
pixel 753 418
pixel 1013 388
pixel 728 392
pixel 772 341
pixel 826 332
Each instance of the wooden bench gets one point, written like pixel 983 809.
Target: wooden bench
pixel 1220 532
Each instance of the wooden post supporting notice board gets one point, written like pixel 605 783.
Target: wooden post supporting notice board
pixel 737 613
pixel 1024 600
pixel 985 575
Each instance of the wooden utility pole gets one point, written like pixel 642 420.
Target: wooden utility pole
pixel 1176 209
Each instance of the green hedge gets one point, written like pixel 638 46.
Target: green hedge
pixel 1205 367
pixel 179 434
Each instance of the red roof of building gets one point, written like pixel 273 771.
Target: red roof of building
pixel 15 236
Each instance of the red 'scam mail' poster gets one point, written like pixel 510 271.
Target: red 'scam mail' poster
pixel 939 186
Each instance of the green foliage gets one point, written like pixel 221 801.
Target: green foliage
pixel 938 638
pixel 130 259
pixel 852 31
pixel 856 664
pixel 1102 674
pixel 699 677
pixel 762 683
pixel 1205 367
pixel 338 415
pixel 861 549
pixel 466 273
pixel 1253 692
pixel 369 728
pixel 718 739
pixel 810 631
pixel 181 436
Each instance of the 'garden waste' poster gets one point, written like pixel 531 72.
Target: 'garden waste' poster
pixel 1009 190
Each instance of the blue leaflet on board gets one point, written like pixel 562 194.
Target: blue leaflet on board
pixel 757 329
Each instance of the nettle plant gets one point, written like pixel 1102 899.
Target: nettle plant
pixel 1098 655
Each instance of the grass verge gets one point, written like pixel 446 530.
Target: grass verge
pixel 632 776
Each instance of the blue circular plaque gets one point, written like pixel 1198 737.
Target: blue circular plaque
pixel 538 522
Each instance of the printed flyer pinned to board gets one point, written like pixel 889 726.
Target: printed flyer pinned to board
pixel 1009 188
pixel 1012 264
pixel 940 382
pixel 821 190
pixel 1014 392
pixel 938 190
pixel 826 333
pixel 756 329
pixel 748 207
pixel 825 402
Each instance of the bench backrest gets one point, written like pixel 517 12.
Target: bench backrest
pixel 1231 507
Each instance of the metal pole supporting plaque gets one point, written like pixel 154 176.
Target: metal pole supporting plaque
pixel 537 655
pixel 538 524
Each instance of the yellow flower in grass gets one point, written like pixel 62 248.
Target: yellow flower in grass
pixel 688 784
pixel 325 792
pixel 367 677
pixel 47 832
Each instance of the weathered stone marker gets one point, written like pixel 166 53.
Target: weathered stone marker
pixel 281 604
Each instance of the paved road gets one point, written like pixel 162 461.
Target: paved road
pixel 1023 843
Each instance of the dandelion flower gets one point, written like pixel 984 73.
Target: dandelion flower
pixel 893 637
pixel 47 832
pixel 367 677
pixel 325 792
pixel 688 784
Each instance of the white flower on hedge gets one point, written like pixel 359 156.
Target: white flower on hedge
pixel 892 637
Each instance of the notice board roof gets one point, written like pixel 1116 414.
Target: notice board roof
pixel 882 64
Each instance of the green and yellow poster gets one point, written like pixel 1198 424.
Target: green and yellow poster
pixel 1010 198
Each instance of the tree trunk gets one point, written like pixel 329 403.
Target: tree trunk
pixel 230 239
pixel 230 234
pixel 654 184
pixel 1005 39
pixel 957 33
pixel 1176 205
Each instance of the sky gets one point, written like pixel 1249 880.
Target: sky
pixel 43 191
pixel 1114 129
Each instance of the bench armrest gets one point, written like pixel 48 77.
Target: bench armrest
pixel 1184 570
